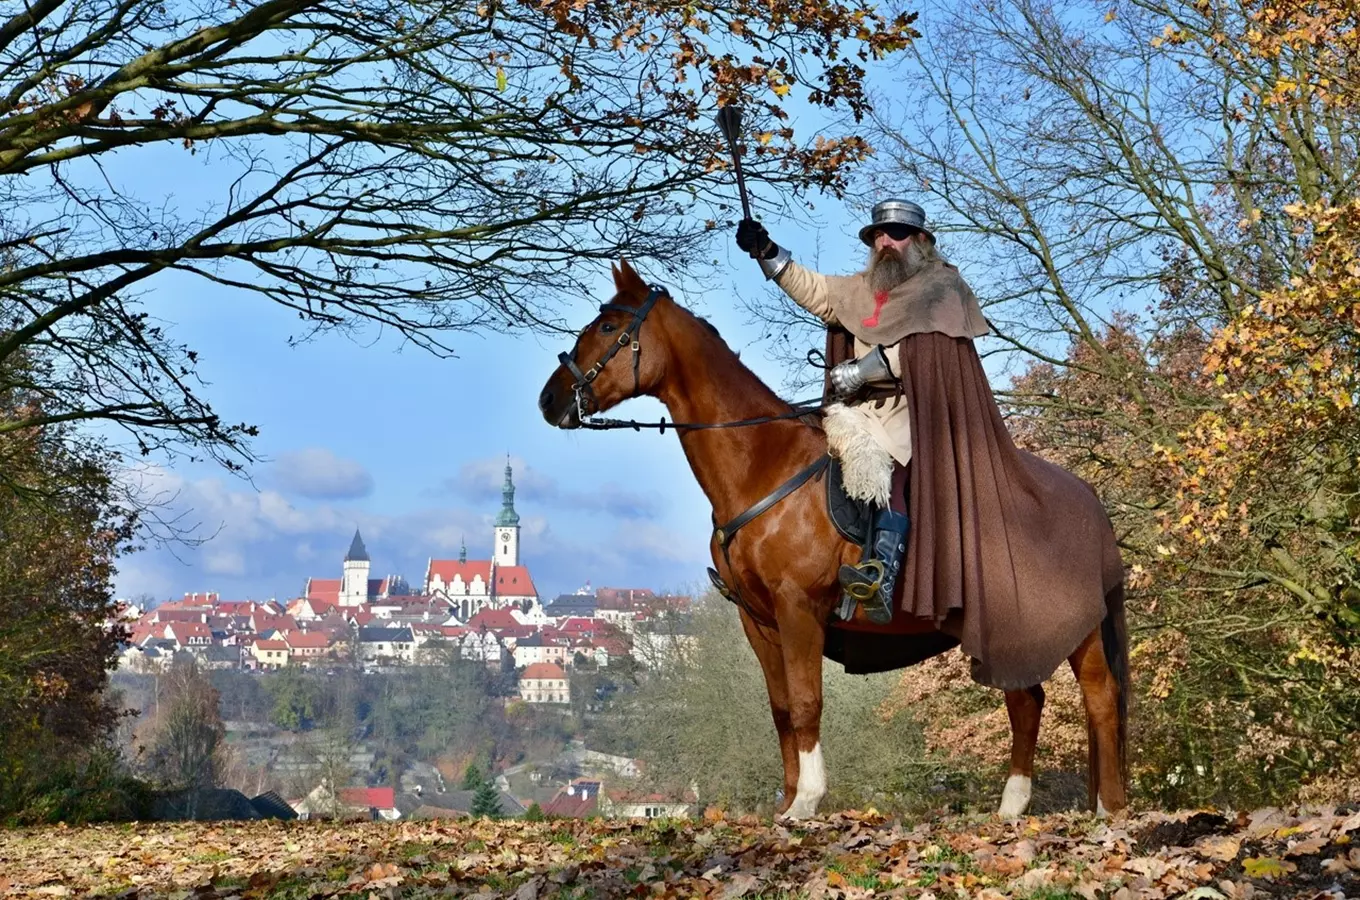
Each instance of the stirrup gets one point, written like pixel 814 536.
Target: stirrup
pixel 872 569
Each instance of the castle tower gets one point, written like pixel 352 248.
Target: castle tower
pixel 505 549
pixel 354 582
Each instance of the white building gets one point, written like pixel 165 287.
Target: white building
pixel 470 586
pixel 387 646
pixel 544 683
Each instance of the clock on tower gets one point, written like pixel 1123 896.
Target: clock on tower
pixel 506 551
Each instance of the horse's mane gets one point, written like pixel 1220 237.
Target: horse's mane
pixel 734 372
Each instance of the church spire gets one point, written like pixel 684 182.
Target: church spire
pixel 508 517
pixel 462 554
pixel 357 551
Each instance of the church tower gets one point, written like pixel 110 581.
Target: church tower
pixel 505 550
pixel 354 583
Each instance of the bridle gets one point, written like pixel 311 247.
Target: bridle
pixel 628 338
pixel 585 395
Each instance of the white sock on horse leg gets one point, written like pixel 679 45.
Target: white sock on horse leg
pixel 811 783
pixel 1015 798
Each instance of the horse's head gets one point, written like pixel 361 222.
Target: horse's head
pixel 614 358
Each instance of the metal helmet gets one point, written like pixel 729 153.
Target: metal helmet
pixel 895 212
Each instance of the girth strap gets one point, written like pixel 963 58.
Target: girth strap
pixel 725 533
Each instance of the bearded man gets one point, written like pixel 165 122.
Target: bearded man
pixel 873 318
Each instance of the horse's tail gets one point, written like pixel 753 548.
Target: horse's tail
pixel 1114 638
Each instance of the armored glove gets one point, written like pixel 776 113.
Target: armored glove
pixel 752 238
pixel 850 376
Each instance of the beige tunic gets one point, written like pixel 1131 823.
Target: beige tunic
pixel 888 420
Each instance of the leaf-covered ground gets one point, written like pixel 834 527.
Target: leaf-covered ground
pixel 1268 853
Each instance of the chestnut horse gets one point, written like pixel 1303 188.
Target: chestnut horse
pixel 783 565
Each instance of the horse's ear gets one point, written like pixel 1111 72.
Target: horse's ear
pixel 627 280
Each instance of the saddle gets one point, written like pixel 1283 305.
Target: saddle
pixel 854 519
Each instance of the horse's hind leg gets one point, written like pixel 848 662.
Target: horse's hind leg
pixel 765 642
pixel 1100 691
pixel 1025 708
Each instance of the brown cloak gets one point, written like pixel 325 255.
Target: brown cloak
pixel 1009 554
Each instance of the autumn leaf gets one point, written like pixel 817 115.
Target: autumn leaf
pixel 1222 848
pixel 1267 867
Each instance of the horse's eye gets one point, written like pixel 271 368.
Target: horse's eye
pixel 607 327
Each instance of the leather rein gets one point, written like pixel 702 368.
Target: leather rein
pixel 585 397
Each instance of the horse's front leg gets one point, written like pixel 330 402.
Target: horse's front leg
pixel 802 636
pixel 1025 707
pixel 765 642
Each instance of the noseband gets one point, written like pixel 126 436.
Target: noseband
pixel 629 338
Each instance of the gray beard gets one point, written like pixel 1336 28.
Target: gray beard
pixel 888 268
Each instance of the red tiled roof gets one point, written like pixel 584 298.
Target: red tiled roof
pixel 514 581
pixel 543 671
pixel 236 608
pixel 271 645
pixel 327 589
pixel 576 626
pixel 493 619
pixel 180 632
pixel 581 802
pixel 614 646
pixel 299 640
pixel 447 569
pixel 318 607
pixel 262 621
pixel 369 797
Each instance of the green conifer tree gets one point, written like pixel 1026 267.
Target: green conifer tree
pixel 486 800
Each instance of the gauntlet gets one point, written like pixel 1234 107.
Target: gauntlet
pixel 871 368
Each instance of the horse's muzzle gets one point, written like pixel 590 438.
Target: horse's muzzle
pixel 558 412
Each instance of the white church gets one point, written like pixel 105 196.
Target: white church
pixel 468 586
pixel 471 586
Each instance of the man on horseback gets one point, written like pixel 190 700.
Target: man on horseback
pixel 906 289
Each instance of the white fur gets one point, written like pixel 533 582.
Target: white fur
pixel 1015 798
pixel 811 784
pixel 866 468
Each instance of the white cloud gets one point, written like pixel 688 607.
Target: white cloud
pixel 318 474
pixel 481 481
pixel 259 543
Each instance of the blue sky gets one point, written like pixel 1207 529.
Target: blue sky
pixel 411 449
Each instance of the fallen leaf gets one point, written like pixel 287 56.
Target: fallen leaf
pixel 1267 867
pixel 1220 847
pixel 1306 848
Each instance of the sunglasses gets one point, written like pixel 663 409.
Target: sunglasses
pixel 897 232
